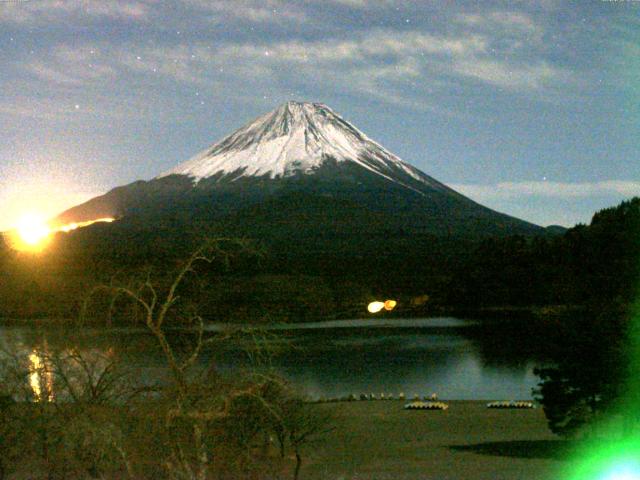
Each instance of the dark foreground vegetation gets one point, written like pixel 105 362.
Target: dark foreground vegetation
pixel 334 273
pixel 71 413
pixel 254 428
pixel 583 284
pixel 368 440
pixel 594 363
pixel 79 414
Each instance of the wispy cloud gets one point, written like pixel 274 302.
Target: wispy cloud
pixel 376 63
pixel 559 190
pixel 406 69
pixel 200 12
pixel 513 21
pixel 408 66
pixel 71 65
pixel 360 3
pixel 378 55
pixel 376 45
pixel 249 11
pixel 139 65
pixel 43 12
pixel 511 75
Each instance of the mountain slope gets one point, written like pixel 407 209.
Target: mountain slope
pixel 308 151
pixel 296 138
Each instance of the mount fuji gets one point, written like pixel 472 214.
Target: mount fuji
pixel 299 171
pixel 298 138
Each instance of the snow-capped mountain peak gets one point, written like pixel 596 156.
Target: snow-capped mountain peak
pixel 301 167
pixel 297 137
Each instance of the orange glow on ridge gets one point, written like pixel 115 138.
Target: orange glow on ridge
pixel 72 226
pixel 33 234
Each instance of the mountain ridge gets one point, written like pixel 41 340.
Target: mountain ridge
pixel 295 137
pixel 301 147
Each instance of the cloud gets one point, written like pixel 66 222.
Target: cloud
pixel 511 75
pixel 505 20
pixel 551 203
pixel 352 3
pixel 372 57
pixel 43 12
pixel 31 106
pixel 402 56
pixel 414 68
pixel 511 33
pixel 361 3
pixel 251 11
pixel 72 66
pixel 377 64
pixel 369 46
pixel 559 190
pixel 165 14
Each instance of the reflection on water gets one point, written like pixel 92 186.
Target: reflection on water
pixel 40 376
pixel 414 363
pixel 330 360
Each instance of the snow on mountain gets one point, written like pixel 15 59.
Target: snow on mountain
pixel 296 138
pixel 300 143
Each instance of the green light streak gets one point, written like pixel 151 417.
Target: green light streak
pixel 613 451
pixel 606 460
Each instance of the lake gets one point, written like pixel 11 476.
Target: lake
pixel 454 358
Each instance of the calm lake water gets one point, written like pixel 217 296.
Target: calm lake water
pixel 454 358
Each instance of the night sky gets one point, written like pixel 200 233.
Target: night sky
pixel 531 108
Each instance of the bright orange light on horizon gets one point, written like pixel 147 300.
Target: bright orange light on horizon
pixel 375 307
pixel 32 233
pixel 32 229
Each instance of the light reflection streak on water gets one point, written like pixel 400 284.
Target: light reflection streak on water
pixel 40 378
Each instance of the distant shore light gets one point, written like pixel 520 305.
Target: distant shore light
pixel 390 305
pixel 375 307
